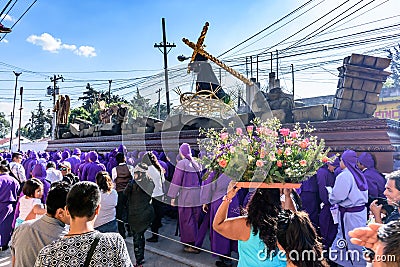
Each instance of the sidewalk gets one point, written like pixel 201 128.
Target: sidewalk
pixel 174 250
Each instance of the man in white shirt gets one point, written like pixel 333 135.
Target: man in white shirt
pixel 16 167
pixel 52 174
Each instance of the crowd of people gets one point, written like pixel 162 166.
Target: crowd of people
pixel 77 208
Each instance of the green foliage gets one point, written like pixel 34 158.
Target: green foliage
pixel 140 105
pixel 163 111
pixel 79 112
pixel 39 125
pixel 4 125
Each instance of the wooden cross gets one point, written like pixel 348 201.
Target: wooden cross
pixel 198 49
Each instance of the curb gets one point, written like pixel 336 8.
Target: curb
pixel 170 255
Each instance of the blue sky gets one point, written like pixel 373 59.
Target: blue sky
pixel 69 37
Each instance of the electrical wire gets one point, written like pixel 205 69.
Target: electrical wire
pixel 19 19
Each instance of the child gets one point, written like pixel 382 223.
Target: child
pixel 30 205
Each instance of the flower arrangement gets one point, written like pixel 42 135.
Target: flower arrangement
pixel 263 152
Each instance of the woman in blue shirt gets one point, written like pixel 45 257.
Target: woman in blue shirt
pixel 256 232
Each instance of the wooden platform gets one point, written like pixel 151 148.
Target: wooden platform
pixel 378 136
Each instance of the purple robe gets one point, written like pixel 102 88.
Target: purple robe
pixel 8 198
pixel 212 192
pixel 376 183
pixel 310 199
pixel 90 170
pixel 39 172
pixel 327 228
pixel 185 187
pixel 347 194
pixel 75 162
pixel 31 162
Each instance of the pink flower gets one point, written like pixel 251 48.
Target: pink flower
pixel 223 163
pixel 279 151
pixel 304 144
pixel 250 129
pixel 279 163
pixel 223 136
pixel 239 131
pixel 303 162
pixel 262 153
pixel 259 163
pixel 288 151
pixel 294 134
pixel 272 157
pixel 289 142
pixel 284 131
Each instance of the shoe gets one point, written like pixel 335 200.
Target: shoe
pixel 4 248
pixel 222 264
pixel 191 250
pixel 4 29
pixel 153 239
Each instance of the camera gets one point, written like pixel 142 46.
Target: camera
pixel 381 201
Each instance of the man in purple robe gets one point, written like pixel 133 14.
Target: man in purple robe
pixel 327 227
pixel 310 199
pixel 112 162
pixel 75 160
pixel 39 172
pixel 92 168
pixel 9 188
pixel 185 186
pixel 211 197
pixel 84 160
pixel 64 155
pixel 30 163
pixel 376 181
pixel 350 193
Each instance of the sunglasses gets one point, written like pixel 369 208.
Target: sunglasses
pixel 63 169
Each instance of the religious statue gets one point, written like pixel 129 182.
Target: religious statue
pixel 62 109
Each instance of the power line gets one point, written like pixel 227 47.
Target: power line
pixel 19 18
pixel 276 22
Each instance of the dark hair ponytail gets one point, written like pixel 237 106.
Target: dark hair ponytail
pixel 263 210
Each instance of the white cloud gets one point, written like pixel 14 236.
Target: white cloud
pixel 46 41
pixel 69 47
pixel 6 17
pixel 4 41
pixel 54 45
pixel 86 51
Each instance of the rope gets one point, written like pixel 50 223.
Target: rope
pixel 188 245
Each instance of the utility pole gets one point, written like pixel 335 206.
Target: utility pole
pixel 21 90
pixel 164 44
pixel 251 66
pixel 109 92
pixel 158 104
pixel 292 80
pixel 257 68
pixel 54 93
pixel 13 111
pixel 277 63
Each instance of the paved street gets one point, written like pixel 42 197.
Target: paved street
pixel 164 253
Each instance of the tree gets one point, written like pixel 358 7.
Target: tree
pixel 141 106
pixel 91 97
pixel 4 125
pixel 394 55
pixel 39 125
pixel 163 111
